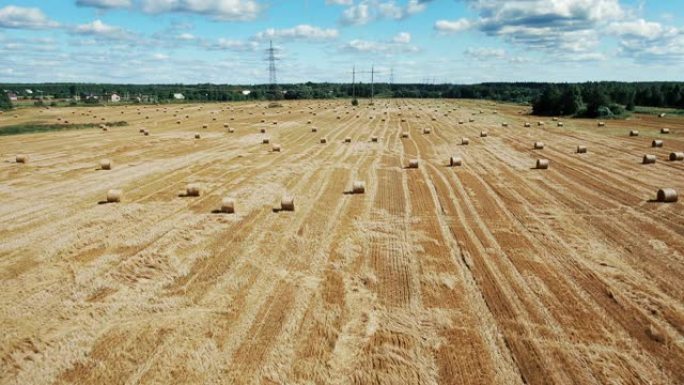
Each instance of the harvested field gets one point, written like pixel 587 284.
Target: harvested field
pixel 488 273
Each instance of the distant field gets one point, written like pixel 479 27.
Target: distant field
pixel 492 272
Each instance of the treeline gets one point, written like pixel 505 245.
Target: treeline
pixel 606 99
pixel 586 99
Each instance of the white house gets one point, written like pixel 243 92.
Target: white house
pixel 115 98
pixel 178 96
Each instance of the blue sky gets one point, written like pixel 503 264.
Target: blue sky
pixel 224 41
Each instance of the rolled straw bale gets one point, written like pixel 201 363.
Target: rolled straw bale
pixel 664 130
pixel 276 147
pixel 634 133
pixel 114 196
pixel 581 149
pixel 22 158
pixel 465 141
pixel 674 156
pixel 483 134
pixel 668 195
pixel 359 187
pixel 649 159
pixel 455 161
pixel 287 203
pixel 538 145
pixel 657 143
pixel 228 205
pixel 105 164
pixel 542 164
pixel 413 163
pixel 324 140
pixel 193 190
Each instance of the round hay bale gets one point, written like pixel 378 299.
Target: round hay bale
pixel 542 164
pixel 649 159
pixel 538 145
pixel 581 149
pixel 555 119
pixel 539 124
pixel 374 139
pixel 527 124
pixel 465 141
pixel 141 130
pixel 560 124
pixel 668 195
pixel 276 147
pixel 146 133
pixel 314 129
pixel 266 140
pixel 228 205
pixel 504 124
pixel 347 140
pixel 178 122
pixel 22 158
pixel 324 140
pixel 359 187
pixel 104 128
pixel 205 126
pixel 601 124
pixel 455 161
pixel 404 134
pixel 197 135
pixel 483 134
pixel 225 125
pixel 114 196
pixel 263 120
pixel 263 130
pixel 675 156
pixel 426 131
pixel 403 120
pixel 657 143
pixel 105 164
pixel 664 130
pixel 231 130
pixel 308 122
pixel 413 163
pixel 287 203
pixel 275 122
pixel 471 120
pixel 634 133
pixel 460 122
pixel 193 190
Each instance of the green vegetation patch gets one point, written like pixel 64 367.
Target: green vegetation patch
pixel 30 128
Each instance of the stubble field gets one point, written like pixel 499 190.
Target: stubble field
pixel 489 273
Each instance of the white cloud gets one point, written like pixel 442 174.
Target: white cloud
pixel 160 56
pixel 104 3
pixel 357 14
pixel 24 18
pixel 301 32
pixel 641 28
pixel 481 53
pixel 233 45
pixel 448 26
pixel 99 29
pixel 398 44
pixel 371 10
pixel 185 36
pixel 339 2
pixel 402 38
pixel 223 10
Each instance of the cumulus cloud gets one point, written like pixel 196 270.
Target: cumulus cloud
pixel 232 45
pixel 371 10
pixel 300 32
pixel 447 26
pixel 24 18
pixel 339 2
pixel 223 10
pixel 402 38
pixel 99 29
pixel 104 4
pixel 481 53
pixel 400 43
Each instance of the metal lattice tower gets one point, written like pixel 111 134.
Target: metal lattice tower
pixel 272 79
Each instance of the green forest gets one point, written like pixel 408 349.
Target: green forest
pixel 591 99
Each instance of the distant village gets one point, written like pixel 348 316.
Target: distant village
pixel 26 95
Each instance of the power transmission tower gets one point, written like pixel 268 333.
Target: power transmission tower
pixel 273 81
pixel 372 72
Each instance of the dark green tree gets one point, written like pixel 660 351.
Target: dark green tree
pixel 5 102
pixel 571 101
